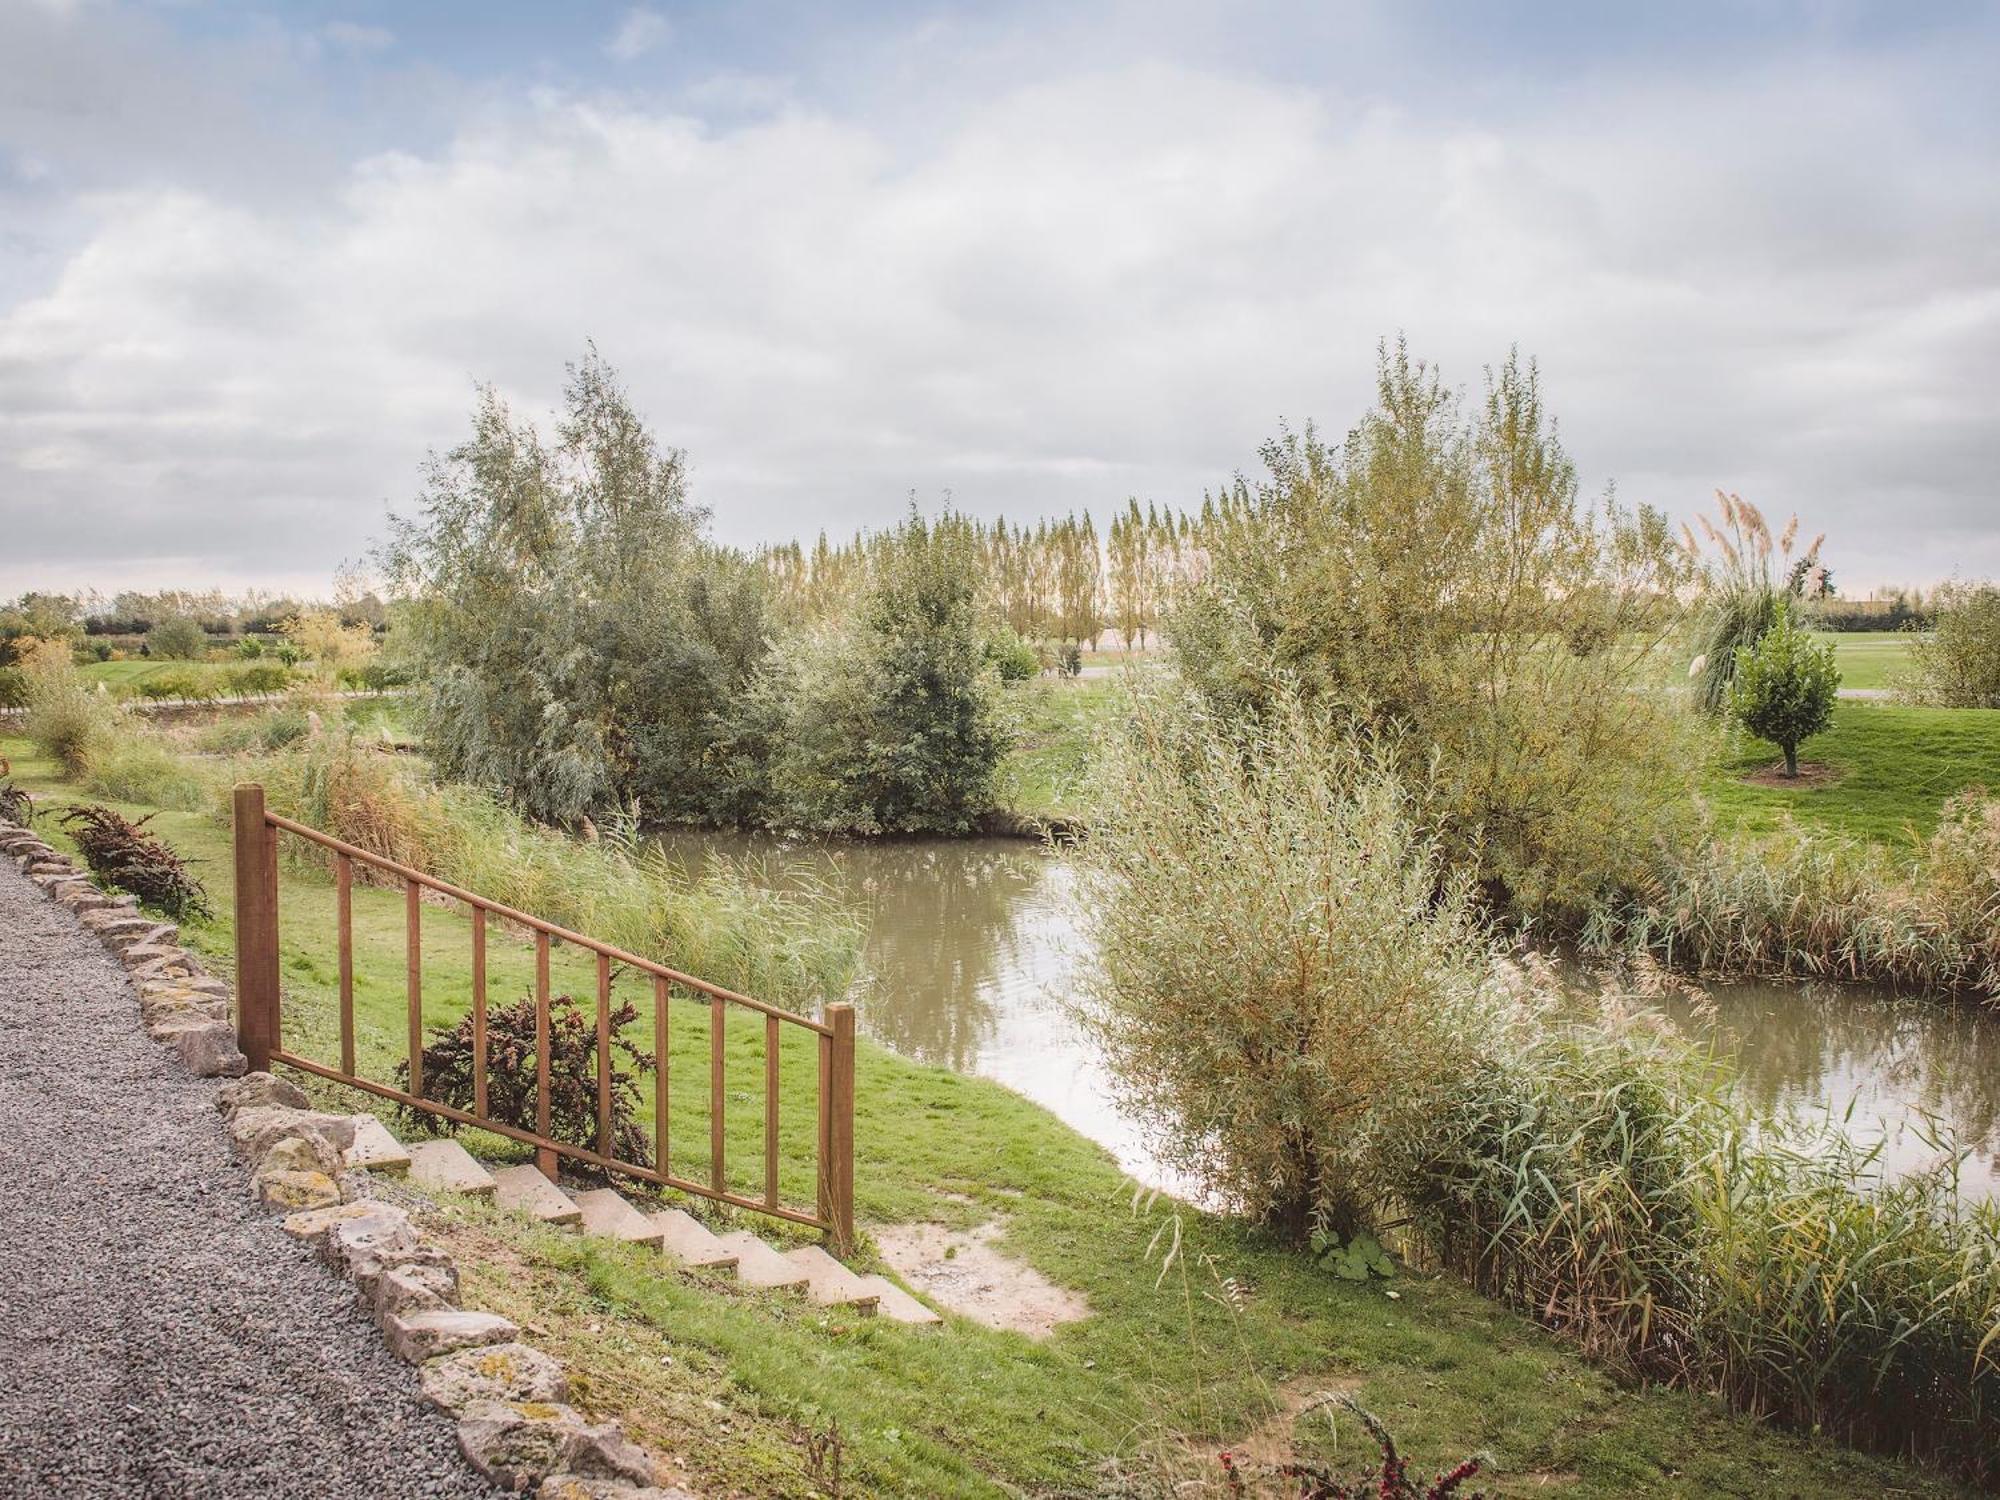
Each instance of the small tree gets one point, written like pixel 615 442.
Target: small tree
pixel 1958 663
pixel 1784 687
pixel 177 639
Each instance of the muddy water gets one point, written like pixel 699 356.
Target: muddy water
pixel 973 945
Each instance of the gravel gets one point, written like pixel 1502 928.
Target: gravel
pixel 160 1335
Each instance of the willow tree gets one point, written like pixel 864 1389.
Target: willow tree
pixel 578 639
pixel 1438 577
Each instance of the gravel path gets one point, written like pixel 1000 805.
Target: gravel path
pixel 160 1335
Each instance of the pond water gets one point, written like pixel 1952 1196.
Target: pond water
pixel 973 944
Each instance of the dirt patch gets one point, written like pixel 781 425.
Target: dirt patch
pixel 1273 1442
pixel 1813 775
pixel 961 1270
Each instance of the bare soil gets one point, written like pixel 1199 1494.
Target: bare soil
pixel 1813 774
pixel 962 1270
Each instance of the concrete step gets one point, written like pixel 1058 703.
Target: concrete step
pixel 897 1304
pixel 758 1265
pixel 606 1211
pixel 525 1190
pixel 690 1242
pixel 445 1166
pixel 376 1149
pixel 831 1284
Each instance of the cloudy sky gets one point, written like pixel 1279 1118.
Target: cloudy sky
pixel 1038 256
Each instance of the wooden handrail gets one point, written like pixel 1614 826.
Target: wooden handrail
pixel 260 1028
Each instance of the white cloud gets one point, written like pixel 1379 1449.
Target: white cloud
pixel 1075 289
pixel 350 37
pixel 638 33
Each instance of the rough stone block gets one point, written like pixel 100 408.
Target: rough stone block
pixel 425 1335
pixel 496 1372
pixel 254 1127
pixel 403 1290
pixel 516 1444
pixel 256 1090
pixel 296 1190
pixel 206 1045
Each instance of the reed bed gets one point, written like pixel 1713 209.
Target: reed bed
pixel 1606 1185
pixel 1793 907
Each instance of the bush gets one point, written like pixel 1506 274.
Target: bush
pixel 1283 968
pixel 1430 577
pixel 125 855
pixel 177 639
pixel 513 1075
pixel 13 687
pixel 272 729
pixel 261 680
pixel 69 719
pixel 1013 658
pixel 16 806
pixel 138 768
pixel 1957 665
pixel 183 687
pixel 1785 687
pixel 887 723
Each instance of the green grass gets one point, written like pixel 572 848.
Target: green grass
pixel 124 677
pixel 1869 658
pixel 1895 765
pixel 1052 721
pixel 730 1381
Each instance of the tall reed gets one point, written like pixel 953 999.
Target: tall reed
pixel 798 948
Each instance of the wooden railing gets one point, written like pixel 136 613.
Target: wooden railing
pixel 260 1028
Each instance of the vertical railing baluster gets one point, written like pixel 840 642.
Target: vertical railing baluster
pixel 717 1082
pixel 544 1158
pixel 770 1111
pixel 479 1011
pixel 413 950
pixel 838 1167
pixel 343 887
pixel 661 1154
pixel 256 928
pixel 824 1138
pixel 604 1141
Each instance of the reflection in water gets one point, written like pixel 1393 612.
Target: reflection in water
pixel 972 949
pixel 1886 1070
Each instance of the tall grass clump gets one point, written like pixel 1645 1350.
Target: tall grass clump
pixel 70 720
pixel 1608 1186
pixel 1791 907
pixel 1740 591
pixel 1283 969
pixel 797 948
pixel 1296 992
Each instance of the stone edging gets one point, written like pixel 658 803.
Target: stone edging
pixel 508 1398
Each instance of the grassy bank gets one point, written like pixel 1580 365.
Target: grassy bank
pixel 1051 722
pixel 1893 768
pixel 1170 1365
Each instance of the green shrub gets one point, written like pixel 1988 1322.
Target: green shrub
pixel 1430 576
pixel 13 687
pixel 260 680
pixel 183 687
pixel 141 769
pixel 71 720
pixel 1013 658
pixel 1957 664
pixel 177 639
pixel 1282 967
pixel 1785 687
pixel 887 723
pixel 272 729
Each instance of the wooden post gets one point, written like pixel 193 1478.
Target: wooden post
pixel 256 929
pixel 413 981
pixel 544 1157
pixel 837 1167
pixel 479 1011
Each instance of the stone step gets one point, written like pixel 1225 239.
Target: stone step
pixel 898 1305
pixel 444 1166
pixel 831 1284
pixel 525 1190
pixel 690 1242
pixel 758 1265
pixel 375 1149
pixel 607 1211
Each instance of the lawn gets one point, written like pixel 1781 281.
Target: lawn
pixel 1191 1352
pixel 1894 765
pixel 124 677
pixel 1051 722
pixel 1869 658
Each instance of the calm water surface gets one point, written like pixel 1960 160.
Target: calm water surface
pixel 973 944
